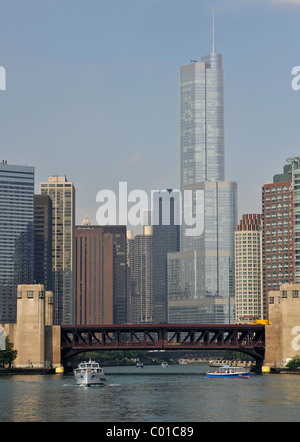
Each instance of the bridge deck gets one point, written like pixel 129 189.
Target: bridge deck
pixel 247 338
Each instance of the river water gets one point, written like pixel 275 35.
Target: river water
pixel 179 393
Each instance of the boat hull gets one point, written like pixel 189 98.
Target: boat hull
pixel 228 375
pixel 90 379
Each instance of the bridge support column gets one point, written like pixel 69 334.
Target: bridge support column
pixel 283 335
pixel 34 337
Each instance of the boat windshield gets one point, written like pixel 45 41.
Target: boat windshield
pixel 229 369
pixel 88 365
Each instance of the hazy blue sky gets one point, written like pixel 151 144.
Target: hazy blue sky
pixel 92 89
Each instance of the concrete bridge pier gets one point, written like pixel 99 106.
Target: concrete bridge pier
pixel 283 335
pixel 34 336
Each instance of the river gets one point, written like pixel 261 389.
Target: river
pixel 179 393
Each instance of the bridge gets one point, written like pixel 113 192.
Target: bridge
pixel 37 340
pixel 249 339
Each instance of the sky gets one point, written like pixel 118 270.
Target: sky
pixel 92 90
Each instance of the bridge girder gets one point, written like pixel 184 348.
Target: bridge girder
pixel 248 339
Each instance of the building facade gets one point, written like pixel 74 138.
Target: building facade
pixel 119 237
pixel 94 276
pixel 142 272
pixel 101 274
pixel 16 235
pixel 166 239
pixel 294 209
pixel 133 299
pixel 43 241
pixel 248 269
pixel 62 194
pixel 278 233
pixel 147 259
pixel 211 268
pixel 202 140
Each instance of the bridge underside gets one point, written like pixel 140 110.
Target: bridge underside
pixel 249 339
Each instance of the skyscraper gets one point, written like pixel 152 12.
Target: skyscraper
pixel 16 235
pixel 43 241
pixel 279 241
pixel 119 238
pixel 94 276
pixel 101 274
pixel 248 269
pixel 210 255
pixel 62 194
pixel 295 212
pixel 202 152
pixel 142 272
pixel 166 239
pixel 147 259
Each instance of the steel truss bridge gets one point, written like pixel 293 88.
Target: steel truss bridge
pixel 248 339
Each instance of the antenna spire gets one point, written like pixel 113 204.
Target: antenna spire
pixel 214 49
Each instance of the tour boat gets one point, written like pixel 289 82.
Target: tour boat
pixel 139 364
pixel 89 373
pixel 229 372
pixel 164 364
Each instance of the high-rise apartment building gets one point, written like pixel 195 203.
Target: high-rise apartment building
pixel 62 194
pixel 43 241
pixel 142 272
pixel 279 244
pixel 94 276
pixel 132 292
pixel 295 212
pixel 248 269
pixel 101 274
pixel 209 256
pixel 16 235
pixel 119 237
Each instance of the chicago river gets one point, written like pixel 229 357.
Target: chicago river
pixel 179 393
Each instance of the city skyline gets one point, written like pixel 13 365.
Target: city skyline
pixel 97 104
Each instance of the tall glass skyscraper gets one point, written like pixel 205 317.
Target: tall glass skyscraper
pixel 207 295
pixel 202 121
pixel 16 235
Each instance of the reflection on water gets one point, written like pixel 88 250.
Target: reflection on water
pixel 152 394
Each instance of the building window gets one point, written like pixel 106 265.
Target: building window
pixel 295 293
pixel 284 293
pixel 41 294
pixel 271 300
pixel 19 294
pixel 29 294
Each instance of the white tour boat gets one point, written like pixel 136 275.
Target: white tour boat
pixel 89 373
pixel 229 372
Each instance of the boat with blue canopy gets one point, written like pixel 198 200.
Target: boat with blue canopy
pixel 229 372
